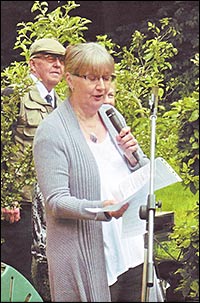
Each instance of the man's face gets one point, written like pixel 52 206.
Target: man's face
pixel 49 68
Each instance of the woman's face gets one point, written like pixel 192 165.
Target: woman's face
pixel 110 96
pixel 88 91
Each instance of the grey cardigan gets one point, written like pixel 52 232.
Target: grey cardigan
pixel 69 180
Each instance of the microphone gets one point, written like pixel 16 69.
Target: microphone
pixel 118 125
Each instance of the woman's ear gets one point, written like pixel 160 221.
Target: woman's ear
pixel 69 79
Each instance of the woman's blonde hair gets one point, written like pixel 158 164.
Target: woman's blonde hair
pixel 88 57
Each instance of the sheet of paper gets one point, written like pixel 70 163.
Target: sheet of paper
pixel 135 189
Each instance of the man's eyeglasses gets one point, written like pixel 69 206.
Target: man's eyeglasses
pixel 95 79
pixel 51 58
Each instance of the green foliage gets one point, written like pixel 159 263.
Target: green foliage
pixel 183 244
pixel 57 24
pixel 14 174
pixel 140 67
pixel 185 19
pixel 185 113
pixel 186 236
pixel 187 240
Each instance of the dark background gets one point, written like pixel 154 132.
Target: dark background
pixel 118 19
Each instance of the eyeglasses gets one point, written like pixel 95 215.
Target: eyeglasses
pixel 95 79
pixel 51 58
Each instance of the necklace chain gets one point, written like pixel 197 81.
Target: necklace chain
pixel 92 134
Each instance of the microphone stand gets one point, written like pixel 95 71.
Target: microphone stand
pixel 148 211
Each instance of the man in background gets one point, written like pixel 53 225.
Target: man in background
pixel 46 70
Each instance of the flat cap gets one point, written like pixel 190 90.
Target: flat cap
pixel 47 45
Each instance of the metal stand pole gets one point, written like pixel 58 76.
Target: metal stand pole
pixel 148 211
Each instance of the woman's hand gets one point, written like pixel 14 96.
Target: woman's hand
pixel 128 144
pixel 117 213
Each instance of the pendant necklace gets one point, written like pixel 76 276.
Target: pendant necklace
pixel 93 137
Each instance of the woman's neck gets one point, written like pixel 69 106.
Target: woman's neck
pixel 92 127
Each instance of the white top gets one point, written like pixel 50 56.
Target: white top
pixel 121 253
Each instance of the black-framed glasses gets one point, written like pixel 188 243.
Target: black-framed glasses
pixel 51 58
pixel 95 79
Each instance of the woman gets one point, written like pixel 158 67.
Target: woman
pixel 110 96
pixel 69 176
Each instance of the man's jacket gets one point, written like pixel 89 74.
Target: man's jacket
pixel 33 109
